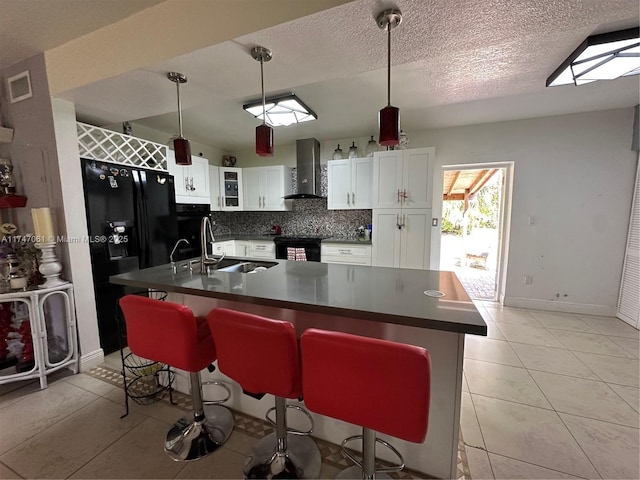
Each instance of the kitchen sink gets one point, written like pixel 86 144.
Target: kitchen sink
pixel 243 266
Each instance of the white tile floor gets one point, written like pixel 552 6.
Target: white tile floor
pixel 551 395
pixel 546 396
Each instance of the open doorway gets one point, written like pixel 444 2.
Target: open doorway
pixel 471 243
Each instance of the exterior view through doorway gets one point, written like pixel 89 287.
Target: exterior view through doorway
pixel 472 226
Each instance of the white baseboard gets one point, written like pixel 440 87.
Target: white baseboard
pixel 565 307
pixel 91 360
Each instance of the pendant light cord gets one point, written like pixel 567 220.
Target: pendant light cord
pixel 179 110
pixel 389 63
pixel 264 113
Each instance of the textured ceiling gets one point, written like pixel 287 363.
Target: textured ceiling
pixel 455 63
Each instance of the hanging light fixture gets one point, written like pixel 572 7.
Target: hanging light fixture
pixel 181 145
pixel 389 116
pixel 264 132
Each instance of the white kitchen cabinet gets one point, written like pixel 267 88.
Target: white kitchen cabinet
pixel 403 178
pixel 261 249
pixel 350 184
pixel 231 189
pixel 228 247
pixel 265 187
pixel 191 182
pixel 214 189
pixel 401 238
pixel 345 253
pixel 241 248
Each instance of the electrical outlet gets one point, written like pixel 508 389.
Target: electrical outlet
pixel 528 279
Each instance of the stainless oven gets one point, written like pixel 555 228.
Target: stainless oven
pixel 309 245
pixel 189 217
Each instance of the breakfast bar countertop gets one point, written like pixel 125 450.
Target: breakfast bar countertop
pixel 420 298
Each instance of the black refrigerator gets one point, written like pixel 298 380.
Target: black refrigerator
pixel 131 218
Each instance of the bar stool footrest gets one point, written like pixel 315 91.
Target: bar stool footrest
pixel 358 462
pixel 292 431
pixel 217 384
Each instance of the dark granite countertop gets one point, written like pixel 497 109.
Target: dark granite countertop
pixel 389 295
pixel 257 236
pixel 237 236
pixel 347 240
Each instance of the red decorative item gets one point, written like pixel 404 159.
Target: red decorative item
pixel 182 148
pixel 264 140
pixel 389 124
pixel 12 201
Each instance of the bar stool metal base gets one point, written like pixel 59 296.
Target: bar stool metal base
pixel 355 472
pixel 190 439
pixel 301 459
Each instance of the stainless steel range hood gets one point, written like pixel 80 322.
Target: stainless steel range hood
pixel 308 169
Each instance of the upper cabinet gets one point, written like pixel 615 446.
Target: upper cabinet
pixel 265 188
pixel 402 178
pixel 231 189
pixel 191 181
pixel 214 188
pixel 350 184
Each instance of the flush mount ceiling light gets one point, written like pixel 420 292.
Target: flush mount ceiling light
pixel 389 116
pixel 282 110
pixel 600 57
pixel 181 145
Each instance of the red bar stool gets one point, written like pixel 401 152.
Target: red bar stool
pixel 170 333
pixel 262 355
pixel 341 378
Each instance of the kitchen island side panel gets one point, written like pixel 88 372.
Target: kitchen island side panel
pixel 437 456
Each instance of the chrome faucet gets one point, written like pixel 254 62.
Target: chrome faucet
pixel 173 264
pixel 206 260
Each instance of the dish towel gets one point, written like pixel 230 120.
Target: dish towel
pixel 296 254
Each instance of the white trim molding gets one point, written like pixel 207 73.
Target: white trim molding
pixel 91 360
pixel 565 307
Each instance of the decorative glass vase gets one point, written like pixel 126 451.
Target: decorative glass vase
pixel 353 150
pixel 372 147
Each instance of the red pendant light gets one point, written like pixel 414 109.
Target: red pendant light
pixel 181 145
pixel 389 116
pixel 264 132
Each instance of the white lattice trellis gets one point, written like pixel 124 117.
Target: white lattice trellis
pixel 100 144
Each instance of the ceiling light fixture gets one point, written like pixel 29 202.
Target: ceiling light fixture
pixel 600 57
pixel 389 116
pixel 181 145
pixel 282 110
pixel 264 132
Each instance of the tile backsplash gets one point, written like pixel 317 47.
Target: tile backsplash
pixel 309 217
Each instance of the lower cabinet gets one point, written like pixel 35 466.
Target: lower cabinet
pixel 401 238
pixel 246 248
pixel 261 249
pixel 346 253
pixel 228 247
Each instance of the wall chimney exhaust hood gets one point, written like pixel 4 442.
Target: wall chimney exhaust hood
pixel 307 169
